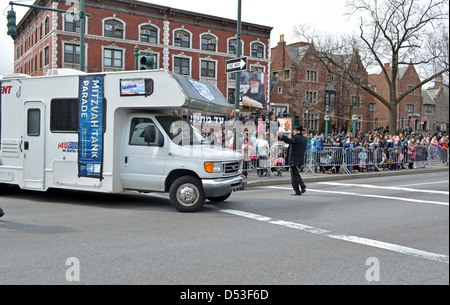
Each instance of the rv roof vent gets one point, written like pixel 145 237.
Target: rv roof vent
pixel 64 71
pixel 14 76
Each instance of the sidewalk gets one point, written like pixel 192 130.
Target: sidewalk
pixel 254 181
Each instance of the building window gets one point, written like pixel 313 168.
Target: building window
pixel 372 107
pixel 182 66
pixel 356 101
pixel 182 39
pixel 311 76
pixel 258 69
pixel 410 108
pixel 71 53
pixel 428 109
pixel 257 50
pixel 311 121
pixel 280 90
pixel 149 34
pixel 112 58
pixel 71 24
pixel 47 25
pixel 330 99
pixel 46 56
pixel 287 74
pixel 311 97
pixel 409 88
pixel 330 79
pixel 208 69
pixel 113 28
pixel 232 47
pixel 209 43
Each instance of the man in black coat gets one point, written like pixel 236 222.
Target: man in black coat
pixel 296 158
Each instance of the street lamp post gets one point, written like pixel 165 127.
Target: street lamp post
pixel 327 120
pixel 354 119
pixel 409 121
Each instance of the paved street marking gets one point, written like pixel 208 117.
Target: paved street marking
pixel 349 238
pixel 425 183
pixel 395 188
pixel 366 195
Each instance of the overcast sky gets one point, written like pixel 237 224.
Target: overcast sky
pixel 282 15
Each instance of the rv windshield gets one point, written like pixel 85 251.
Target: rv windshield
pixel 181 131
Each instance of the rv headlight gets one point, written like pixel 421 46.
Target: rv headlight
pixel 213 167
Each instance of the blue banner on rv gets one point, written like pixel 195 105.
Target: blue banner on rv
pixel 90 142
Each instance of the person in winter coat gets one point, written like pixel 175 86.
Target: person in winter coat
pixel 296 158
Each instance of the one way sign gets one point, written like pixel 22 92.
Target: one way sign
pixel 237 64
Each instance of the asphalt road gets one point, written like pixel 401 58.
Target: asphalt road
pixel 380 230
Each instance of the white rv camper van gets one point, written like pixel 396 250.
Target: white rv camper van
pixel 112 133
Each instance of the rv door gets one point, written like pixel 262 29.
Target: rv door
pixel 33 146
pixel 144 155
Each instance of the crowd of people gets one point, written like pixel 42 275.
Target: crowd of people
pixel 256 144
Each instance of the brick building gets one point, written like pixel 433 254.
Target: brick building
pixel 185 42
pixel 302 86
pixel 436 107
pixel 409 110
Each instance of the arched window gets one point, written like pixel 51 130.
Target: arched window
pixel 182 39
pixel 46 25
pixel 149 34
pixel 232 46
pixel 113 28
pixel 209 42
pixel 257 50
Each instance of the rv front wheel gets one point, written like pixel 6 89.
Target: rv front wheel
pixel 219 199
pixel 186 194
pixel 2 188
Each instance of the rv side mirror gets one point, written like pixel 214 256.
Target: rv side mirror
pixel 150 134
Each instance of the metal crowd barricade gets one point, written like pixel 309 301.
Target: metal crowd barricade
pixel 389 158
pixel 361 159
pixel 278 157
pixel 330 158
pixel 415 157
pixel 437 154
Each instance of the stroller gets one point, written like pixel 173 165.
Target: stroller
pixel 278 158
pixel 330 160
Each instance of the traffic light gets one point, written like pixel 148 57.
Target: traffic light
pixel 147 62
pixel 11 23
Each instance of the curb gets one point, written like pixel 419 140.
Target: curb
pixel 335 177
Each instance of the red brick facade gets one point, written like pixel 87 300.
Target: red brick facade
pixel 45 41
pixel 407 77
pixel 300 82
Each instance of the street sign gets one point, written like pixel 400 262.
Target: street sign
pixel 235 65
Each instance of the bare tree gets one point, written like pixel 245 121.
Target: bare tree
pixel 395 31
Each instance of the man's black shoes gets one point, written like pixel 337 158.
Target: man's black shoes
pixel 303 190
pixel 296 194
pixel 1 212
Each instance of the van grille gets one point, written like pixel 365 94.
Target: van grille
pixel 231 168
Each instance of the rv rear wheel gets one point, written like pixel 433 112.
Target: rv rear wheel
pixel 186 194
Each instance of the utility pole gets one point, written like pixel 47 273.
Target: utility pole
pixel 82 29
pixel 237 92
